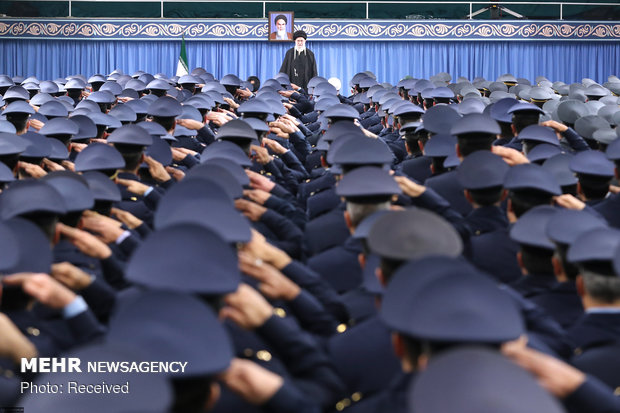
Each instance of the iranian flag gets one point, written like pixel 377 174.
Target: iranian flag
pixel 182 68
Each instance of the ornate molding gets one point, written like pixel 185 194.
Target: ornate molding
pixel 256 29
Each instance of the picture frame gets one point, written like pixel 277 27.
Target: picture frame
pixel 281 26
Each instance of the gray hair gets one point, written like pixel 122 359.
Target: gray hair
pixel 357 212
pixel 601 287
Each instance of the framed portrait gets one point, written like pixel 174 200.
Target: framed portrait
pixel 281 24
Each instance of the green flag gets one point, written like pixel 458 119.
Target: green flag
pixel 182 68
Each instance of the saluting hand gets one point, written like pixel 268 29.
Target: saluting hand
pixel 107 229
pixel 71 276
pixel 246 307
pixel 217 118
pixel 409 187
pixel 258 181
pixel 190 124
pixel 259 248
pixel 293 119
pixel 43 288
pixel 36 124
pixel 243 93
pixel 274 146
pixel 555 125
pixel 232 103
pixel 86 242
pixel 177 174
pixel 14 344
pixel 557 377
pixel 262 154
pixel 273 283
pixel 257 195
pixel 70 166
pixel 127 218
pixel 568 201
pixel 509 155
pixel 79 147
pixel 135 187
pixel 52 166
pixel 253 383
pixel 157 170
pixel 286 93
pixel 34 171
pixel 250 209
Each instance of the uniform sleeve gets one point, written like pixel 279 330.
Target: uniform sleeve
pixel 593 397
pixel 206 135
pixel 311 315
pixel 290 159
pixel 290 237
pixel 142 230
pixel 302 148
pixel 313 283
pixel 100 298
pixel 575 141
pixel 283 193
pixel 287 209
pixel 284 175
pixel 113 272
pixel 129 244
pixel 288 399
pixel 312 370
pixel 542 325
pixel 84 327
pixel 432 201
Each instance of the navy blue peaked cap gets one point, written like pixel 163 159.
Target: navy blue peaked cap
pixel 198 261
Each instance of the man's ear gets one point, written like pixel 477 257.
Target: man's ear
pixel 504 195
pixel 361 258
pixel 510 213
pixel 347 220
pixel 57 235
pixel 581 289
pixel 468 196
pixel 580 193
pixel 458 151
pixel 398 344
pixel 558 268
pixel 520 262
pixel 380 276
pixel 214 396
